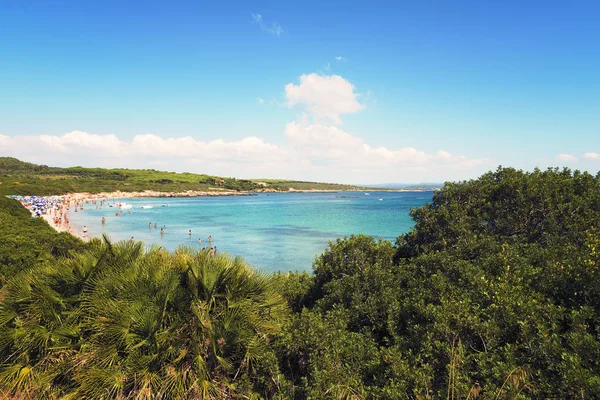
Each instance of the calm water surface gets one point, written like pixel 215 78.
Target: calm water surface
pixel 274 231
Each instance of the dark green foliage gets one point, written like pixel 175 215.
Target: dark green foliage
pixel 294 287
pixel 26 241
pixel 119 322
pixel 543 207
pixel 495 294
pixel 11 164
pixel 326 359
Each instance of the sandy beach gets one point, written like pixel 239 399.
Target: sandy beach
pixel 57 213
pixel 59 228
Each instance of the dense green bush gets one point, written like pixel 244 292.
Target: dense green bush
pixel 118 322
pixel 26 241
pixel 494 294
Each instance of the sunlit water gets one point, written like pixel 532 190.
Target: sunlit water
pixel 274 231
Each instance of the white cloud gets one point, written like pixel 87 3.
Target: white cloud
pixel 82 148
pixel 592 156
pixel 312 148
pixel 75 142
pixel 274 28
pixel 324 97
pixel 247 149
pixel 317 135
pixel 342 152
pixel 314 151
pixel 340 58
pixel 566 158
pixel 260 100
pixel 320 142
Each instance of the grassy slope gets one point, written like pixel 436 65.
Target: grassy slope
pixel 26 241
pixel 18 177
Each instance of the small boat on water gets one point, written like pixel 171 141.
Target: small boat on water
pixel 380 199
pixel 166 205
pixel 125 206
pixel 367 194
pixel 146 207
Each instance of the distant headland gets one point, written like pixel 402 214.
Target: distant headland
pixel 22 178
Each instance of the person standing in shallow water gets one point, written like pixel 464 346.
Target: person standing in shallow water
pixel 210 240
pixel 131 239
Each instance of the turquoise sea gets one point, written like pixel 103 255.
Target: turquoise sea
pixel 272 231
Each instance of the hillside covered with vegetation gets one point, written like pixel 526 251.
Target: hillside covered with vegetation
pixel 494 294
pixel 22 178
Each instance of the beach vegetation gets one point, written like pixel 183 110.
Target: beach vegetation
pixel 27 242
pixel 493 294
pixel 116 321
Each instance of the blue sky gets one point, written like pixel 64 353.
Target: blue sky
pixel 392 91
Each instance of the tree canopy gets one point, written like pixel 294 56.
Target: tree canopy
pixel 494 294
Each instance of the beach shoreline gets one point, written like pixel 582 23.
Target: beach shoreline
pixel 58 228
pixel 72 202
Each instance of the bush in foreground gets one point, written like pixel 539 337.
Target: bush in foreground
pixel 495 293
pixel 119 322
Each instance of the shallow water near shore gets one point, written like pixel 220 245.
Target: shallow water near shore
pixel 272 231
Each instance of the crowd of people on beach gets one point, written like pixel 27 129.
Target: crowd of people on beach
pixel 55 209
